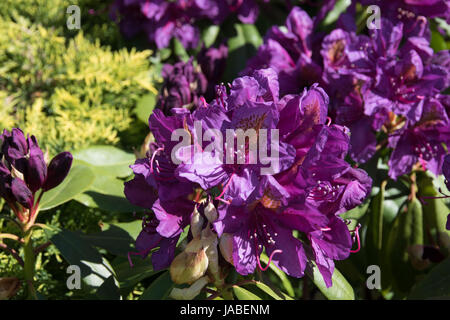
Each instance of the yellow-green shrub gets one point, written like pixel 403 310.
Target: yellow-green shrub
pixel 68 92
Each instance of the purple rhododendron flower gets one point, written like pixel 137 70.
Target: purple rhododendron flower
pixel 307 189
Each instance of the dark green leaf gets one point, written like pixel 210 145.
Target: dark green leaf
pixel 79 179
pixel 76 251
pixel 284 279
pixel 159 289
pixel 340 290
pixel 241 47
pixel 113 239
pixel 108 290
pixel 406 231
pixel 129 276
pixel 436 285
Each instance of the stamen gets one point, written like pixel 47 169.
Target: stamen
pixel 270 260
pixel 202 99
pixel 153 158
pixel 225 189
pixel 357 239
pixel 328 121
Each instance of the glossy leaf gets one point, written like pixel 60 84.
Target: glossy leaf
pixel 159 289
pixel 79 179
pixel 340 290
pixel 243 294
pixel 129 276
pixel 407 230
pixel 107 193
pixel 113 239
pixel 107 160
pixel 76 251
pixel 435 285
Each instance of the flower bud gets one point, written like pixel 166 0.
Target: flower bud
pixel 189 265
pixel 21 192
pixel 36 168
pixel 211 212
pixel 57 170
pixel 196 223
pixel 226 247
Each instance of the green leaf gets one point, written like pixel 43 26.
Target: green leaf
pixel 357 212
pixel 340 290
pixel 164 53
pixel 106 160
pixel 129 276
pixel 375 230
pixel 107 193
pixel 407 230
pixel 333 15
pixel 95 269
pixel 133 228
pixel 108 290
pixel 241 47
pixel 277 296
pixel 435 285
pixel 210 34
pixel 159 289
pixel 79 179
pixel 435 210
pixel 437 41
pixel 179 50
pixel 243 294
pixel 284 279
pixel 113 239
pixel 145 107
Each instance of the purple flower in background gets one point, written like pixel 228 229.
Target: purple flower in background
pixel 182 87
pixel 289 54
pixel 412 13
pixel 164 20
pixel 421 142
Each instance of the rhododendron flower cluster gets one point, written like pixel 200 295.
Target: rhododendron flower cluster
pixel 388 81
pixel 247 211
pixel 163 20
